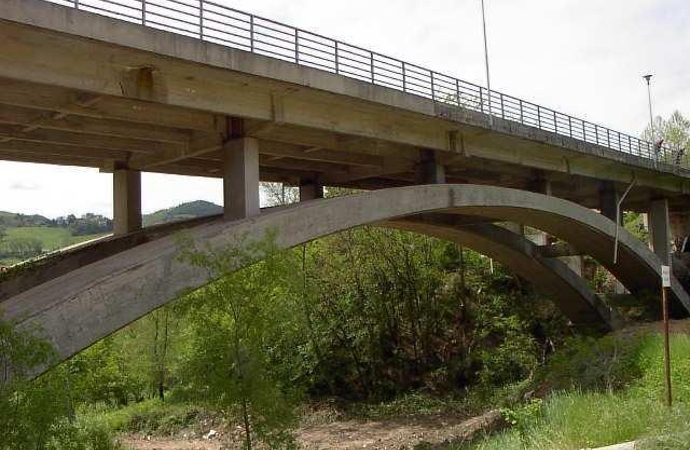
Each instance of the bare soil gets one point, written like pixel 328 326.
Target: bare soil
pixel 394 434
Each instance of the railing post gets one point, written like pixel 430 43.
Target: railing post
pixel 555 123
pixel 503 110
pixel 481 99
pixel 457 91
pixel 620 146
pixel 296 46
pixel 522 114
pixel 404 76
pixel 201 19
pixel 337 57
pixel 143 11
pixel 373 78
pixel 251 32
pixel 76 4
pixel 608 138
pixel 596 133
pixel 538 117
pixel 584 131
pixel 570 126
pixel 433 90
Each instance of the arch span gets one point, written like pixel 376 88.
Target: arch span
pixel 80 307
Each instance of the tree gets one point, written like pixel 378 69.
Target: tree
pixel 675 132
pixel 236 321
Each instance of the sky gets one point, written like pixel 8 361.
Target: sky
pixel 585 58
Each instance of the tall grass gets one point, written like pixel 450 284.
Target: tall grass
pixel 579 418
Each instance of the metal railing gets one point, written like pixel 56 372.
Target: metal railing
pixel 213 22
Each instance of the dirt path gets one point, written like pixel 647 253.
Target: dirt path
pixel 396 434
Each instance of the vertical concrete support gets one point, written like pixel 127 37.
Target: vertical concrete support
pixel 429 170
pixel 310 190
pixel 241 178
pixel 608 200
pixel 126 201
pixel 660 230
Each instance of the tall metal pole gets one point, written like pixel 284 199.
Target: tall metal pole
pixel 486 61
pixel 649 96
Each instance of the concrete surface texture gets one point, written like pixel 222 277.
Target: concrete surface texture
pixel 86 304
pixel 82 89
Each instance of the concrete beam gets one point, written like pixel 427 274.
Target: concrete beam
pixel 126 201
pixel 660 230
pixel 429 170
pixel 608 200
pixel 241 178
pixel 310 190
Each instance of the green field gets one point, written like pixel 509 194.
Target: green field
pixel 52 238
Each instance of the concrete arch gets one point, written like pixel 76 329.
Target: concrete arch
pixel 82 306
pixel 549 276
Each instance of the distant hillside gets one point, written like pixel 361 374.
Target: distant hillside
pixel 9 219
pixel 198 208
pixel 25 236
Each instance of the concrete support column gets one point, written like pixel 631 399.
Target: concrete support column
pixel 660 230
pixel 241 178
pixel 429 170
pixel 608 200
pixel 310 190
pixel 126 201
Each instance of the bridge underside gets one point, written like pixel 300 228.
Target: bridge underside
pixel 86 90
pixel 87 303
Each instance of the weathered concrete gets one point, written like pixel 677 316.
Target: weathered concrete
pixel 310 189
pixel 126 201
pixel 660 230
pixel 608 200
pixel 169 89
pixel 87 304
pixel 241 178
pixel 429 170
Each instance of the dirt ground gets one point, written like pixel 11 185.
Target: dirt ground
pixel 395 434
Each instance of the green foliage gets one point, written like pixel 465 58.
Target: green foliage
pixel 234 322
pixel 87 433
pixel 615 391
pixel 675 131
pixel 591 364
pixel 35 414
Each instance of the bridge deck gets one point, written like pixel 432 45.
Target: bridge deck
pixel 82 89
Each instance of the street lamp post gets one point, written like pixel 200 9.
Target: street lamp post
pixel 649 96
pixel 486 61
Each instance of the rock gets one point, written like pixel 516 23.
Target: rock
pixel 210 435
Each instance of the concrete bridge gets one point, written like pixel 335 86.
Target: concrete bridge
pixel 210 91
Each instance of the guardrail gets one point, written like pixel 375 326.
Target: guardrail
pixel 213 22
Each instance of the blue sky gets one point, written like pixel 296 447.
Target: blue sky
pixel 581 57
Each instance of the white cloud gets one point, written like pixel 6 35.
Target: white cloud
pixel 582 57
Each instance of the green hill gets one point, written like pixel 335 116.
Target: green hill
pixel 198 208
pixel 25 236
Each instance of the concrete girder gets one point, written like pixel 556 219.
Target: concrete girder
pixel 82 306
pixel 192 79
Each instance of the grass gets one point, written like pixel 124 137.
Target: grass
pixel 52 238
pixel 150 417
pixel 578 419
